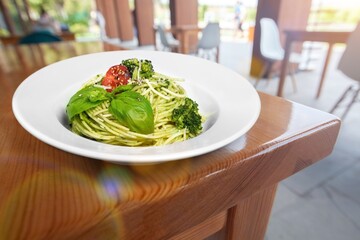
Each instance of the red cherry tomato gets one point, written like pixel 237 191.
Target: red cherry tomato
pixel 116 75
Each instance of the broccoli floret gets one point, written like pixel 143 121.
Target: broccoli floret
pixel 187 116
pixel 147 69
pixel 164 82
pixel 133 64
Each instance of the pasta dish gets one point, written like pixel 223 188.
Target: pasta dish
pixel 132 105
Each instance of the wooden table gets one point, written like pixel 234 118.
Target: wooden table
pixel 183 33
pixel 46 193
pixel 314 36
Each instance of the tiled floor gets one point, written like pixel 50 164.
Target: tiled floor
pixel 321 202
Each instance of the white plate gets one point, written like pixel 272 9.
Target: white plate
pixel 230 102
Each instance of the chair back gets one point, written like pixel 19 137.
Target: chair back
pixel 210 37
pixel 349 61
pixel 270 45
pixel 39 37
pixel 162 35
pixel 99 17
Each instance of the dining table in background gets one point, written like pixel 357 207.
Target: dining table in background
pixel 183 33
pixel 313 36
pixel 46 193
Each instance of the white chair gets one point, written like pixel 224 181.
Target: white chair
pixel 209 42
pixel 100 20
pixel 349 65
pixel 167 40
pixel 271 49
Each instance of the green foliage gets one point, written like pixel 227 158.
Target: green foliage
pixel 202 10
pixel 4 32
pixel 78 28
pixel 74 13
pixel 251 14
pixel 80 17
pixel 332 15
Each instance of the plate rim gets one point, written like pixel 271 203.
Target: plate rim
pixel 133 158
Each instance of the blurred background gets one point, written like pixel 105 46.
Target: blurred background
pixel 78 16
pixel 320 202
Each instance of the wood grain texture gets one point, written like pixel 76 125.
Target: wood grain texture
pixel 46 193
pixel 204 229
pixel 249 218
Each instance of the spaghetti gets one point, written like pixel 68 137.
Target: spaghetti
pixel 164 94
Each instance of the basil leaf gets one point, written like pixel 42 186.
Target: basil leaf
pixel 134 111
pixel 85 99
pixel 122 88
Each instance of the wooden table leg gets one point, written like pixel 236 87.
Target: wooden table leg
pixel 328 54
pixel 249 219
pixel 184 42
pixel 284 67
